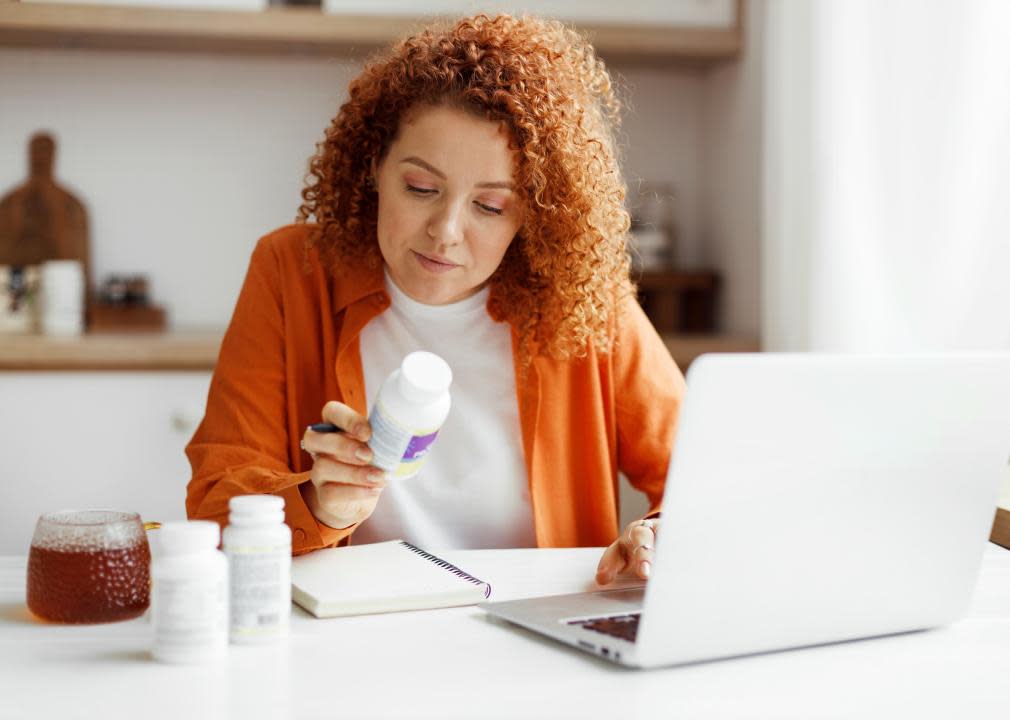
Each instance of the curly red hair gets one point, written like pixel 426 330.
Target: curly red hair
pixel 564 274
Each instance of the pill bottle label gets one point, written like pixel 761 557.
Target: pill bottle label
pixel 413 456
pixel 189 612
pixel 397 449
pixel 260 590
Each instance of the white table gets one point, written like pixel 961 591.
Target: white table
pixel 457 663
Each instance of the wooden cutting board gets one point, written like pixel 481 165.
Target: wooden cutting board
pixel 39 220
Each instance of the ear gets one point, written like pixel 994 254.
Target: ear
pixel 373 176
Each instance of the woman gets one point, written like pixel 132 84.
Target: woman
pixel 466 200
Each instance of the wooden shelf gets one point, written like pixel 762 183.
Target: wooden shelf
pixel 138 351
pixel 198 350
pixel 306 31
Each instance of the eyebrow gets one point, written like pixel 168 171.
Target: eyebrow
pixel 414 160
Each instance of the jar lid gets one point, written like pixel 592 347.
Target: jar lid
pixel 256 507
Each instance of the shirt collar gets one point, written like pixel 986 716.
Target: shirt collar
pixel 353 284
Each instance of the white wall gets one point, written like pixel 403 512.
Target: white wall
pixel 184 160
pixel 731 168
pixel 662 140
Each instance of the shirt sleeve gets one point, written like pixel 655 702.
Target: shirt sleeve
pixel 242 445
pixel 649 392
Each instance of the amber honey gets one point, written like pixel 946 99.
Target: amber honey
pixel 89 586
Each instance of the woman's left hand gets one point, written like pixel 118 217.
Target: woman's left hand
pixel 632 552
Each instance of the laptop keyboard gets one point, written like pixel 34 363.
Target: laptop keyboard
pixel 621 626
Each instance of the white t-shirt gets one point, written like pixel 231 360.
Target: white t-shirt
pixel 472 491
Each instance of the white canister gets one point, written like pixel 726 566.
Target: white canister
pixel 61 297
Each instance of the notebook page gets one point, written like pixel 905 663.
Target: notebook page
pixel 381 577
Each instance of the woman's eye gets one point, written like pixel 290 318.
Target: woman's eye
pixel 489 208
pixel 419 190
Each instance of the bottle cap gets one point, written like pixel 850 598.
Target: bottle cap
pixel 424 376
pixel 256 509
pixel 256 503
pixel 180 538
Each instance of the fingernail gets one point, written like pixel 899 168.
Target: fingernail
pixel 363 454
pixel 377 476
pixel 646 568
pixel 361 431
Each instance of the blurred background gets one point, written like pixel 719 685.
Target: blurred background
pixel 804 175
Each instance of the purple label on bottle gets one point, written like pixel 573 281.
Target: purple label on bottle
pixel 418 446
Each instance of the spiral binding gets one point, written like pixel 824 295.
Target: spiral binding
pixel 448 566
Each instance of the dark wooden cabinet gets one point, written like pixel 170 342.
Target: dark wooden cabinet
pixel 679 301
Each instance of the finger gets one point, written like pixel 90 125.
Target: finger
pixel 347 419
pixel 642 558
pixel 339 446
pixel 328 470
pixel 639 539
pixel 334 496
pixel 613 562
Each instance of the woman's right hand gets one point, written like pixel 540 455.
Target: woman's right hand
pixel 344 487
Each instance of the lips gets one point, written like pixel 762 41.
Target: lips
pixel 435 263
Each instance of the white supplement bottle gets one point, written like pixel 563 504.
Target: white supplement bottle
pixel 411 406
pixel 189 593
pixel 258 546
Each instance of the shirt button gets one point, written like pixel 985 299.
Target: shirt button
pixel 300 535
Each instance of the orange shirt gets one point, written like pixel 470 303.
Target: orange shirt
pixel 292 345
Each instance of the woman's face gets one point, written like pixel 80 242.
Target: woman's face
pixel 447 207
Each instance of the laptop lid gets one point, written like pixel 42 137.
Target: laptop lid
pixel 816 498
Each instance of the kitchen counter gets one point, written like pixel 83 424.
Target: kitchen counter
pixel 176 350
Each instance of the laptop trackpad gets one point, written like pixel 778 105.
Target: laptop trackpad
pixel 564 608
pixel 608 602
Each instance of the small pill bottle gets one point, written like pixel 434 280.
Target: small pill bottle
pixel 258 546
pixel 189 593
pixel 409 410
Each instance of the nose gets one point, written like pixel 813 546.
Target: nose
pixel 445 226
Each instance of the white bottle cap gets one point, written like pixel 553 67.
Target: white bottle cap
pixel 181 538
pixel 249 509
pixel 424 376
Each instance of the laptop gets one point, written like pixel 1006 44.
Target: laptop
pixel 810 499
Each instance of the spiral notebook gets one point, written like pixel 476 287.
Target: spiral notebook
pixel 378 578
